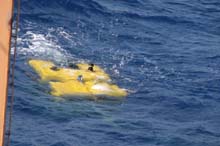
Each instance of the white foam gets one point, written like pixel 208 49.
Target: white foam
pixel 64 34
pixel 44 46
pixel 101 87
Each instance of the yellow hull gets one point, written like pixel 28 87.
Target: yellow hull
pixel 63 81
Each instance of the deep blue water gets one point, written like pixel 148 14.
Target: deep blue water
pixel 167 52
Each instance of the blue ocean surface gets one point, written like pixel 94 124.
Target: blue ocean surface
pixel 166 52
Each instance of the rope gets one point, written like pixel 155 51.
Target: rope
pixel 13 74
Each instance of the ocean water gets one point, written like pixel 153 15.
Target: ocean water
pixel 166 52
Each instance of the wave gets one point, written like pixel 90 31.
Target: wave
pixel 37 45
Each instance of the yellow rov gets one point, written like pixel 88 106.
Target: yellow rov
pixel 64 81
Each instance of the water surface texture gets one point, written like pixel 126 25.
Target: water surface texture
pixel 166 52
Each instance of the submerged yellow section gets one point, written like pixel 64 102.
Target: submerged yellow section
pixel 102 89
pixel 64 81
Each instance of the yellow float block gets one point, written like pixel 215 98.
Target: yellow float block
pixel 89 89
pixel 43 69
pixel 69 88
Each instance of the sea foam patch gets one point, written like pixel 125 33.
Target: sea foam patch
pixel 38 45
